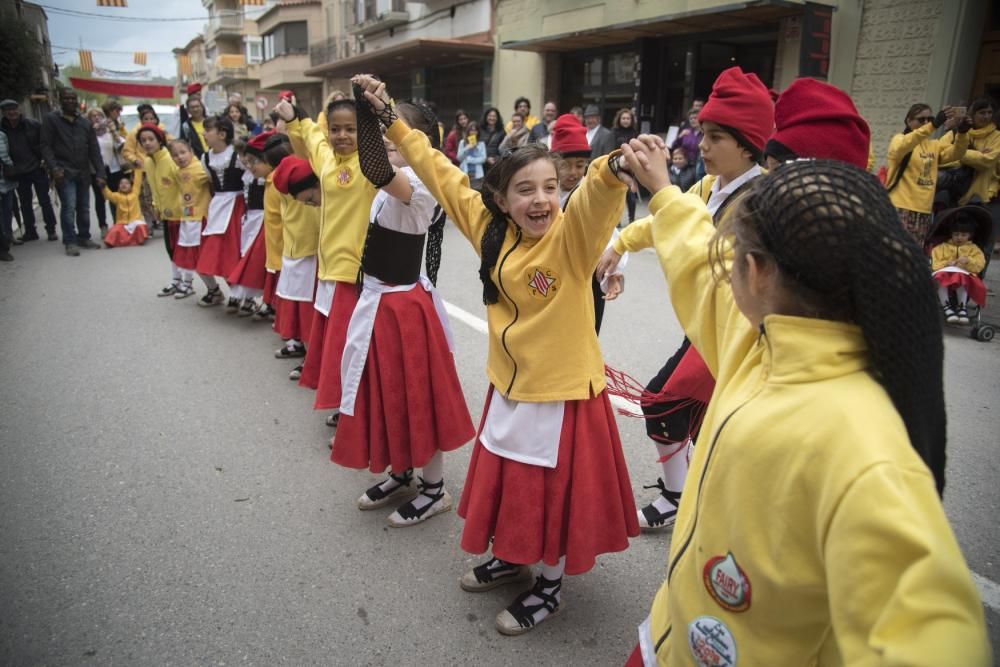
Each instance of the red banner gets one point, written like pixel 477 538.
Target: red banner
pixel 123 89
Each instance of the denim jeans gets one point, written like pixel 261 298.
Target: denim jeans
pixel 40 182
pixel 74 196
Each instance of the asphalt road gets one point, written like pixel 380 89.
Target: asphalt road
pixel 166 496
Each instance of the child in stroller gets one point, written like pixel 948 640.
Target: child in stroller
pixel 958 262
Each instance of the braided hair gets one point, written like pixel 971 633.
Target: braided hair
pixel 824 224
pixel 495 183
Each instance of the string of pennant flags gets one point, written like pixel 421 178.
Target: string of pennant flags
pixel 124 3
pixel 87 58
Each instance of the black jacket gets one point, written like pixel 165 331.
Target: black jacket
pixel 71 145
pixel 25 145
pixel 189 135
pixel 492 140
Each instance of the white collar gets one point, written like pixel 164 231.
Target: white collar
pixel 719 194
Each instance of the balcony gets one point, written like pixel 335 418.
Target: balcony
pixel 379 15
pixel 330 50
pixel 226 25
pixel 285 71
pixel 229 67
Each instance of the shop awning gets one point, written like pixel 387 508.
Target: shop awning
pixel 725 17
pixel 407 56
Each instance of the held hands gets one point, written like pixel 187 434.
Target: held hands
pixel 285 110
pixel 374 91
pixel 606 266
pixel 101 183
pixel 646 158
pixel 616 285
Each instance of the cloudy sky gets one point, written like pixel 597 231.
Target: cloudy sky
pixel 102 36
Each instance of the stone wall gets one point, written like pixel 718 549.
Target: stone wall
pixel 891 71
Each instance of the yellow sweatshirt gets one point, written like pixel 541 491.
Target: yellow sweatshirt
pixel 945 254
pixel 542 345
pixel 347 201
pixel 983 155
pixel 811 533
pixel 272 225
pixel 915 191
pixel 300 228
pixel 195 191
pixel 529 123
pixel 126 206
pixel 160 169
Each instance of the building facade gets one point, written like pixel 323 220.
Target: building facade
pixel 286 29
pixel 43 97
pixel 436 50
pixel 656 56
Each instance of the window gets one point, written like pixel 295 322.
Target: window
pixel 286 39
pixel 255 49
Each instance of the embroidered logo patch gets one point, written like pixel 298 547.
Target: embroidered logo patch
pixel 727 583
pixel 542 283
pixel 344 177
pixel 711 642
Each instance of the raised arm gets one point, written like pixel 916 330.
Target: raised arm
pixel 591 215
pixel 902 144
pixel 305 133
pixel 681 230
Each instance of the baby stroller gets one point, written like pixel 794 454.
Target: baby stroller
pixel 983 237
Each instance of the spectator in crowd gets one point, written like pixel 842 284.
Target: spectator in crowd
pixel 472 155
pixel 682 172
pixel 7 188
pixel 983 155
pixel 517 135
pixel 689 137
pixel 24 137
pixel 108 142
pixel 193 129
pixel 522 106
pixel 69 146
pixel 237 114
pixel 578 112
pixel 599 137
pixel 237 99
pixel 112 109
pixel 540 132
pixel 457 133
pixel 111 143
pixel 913 164
pixel 696 106
pixel 624 130
pixel 491 134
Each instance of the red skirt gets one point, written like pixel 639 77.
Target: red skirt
pixel 292 319
pixel 326 347
pixel 186 257
pixel 409 404
pixel 314 345
pixel 580 509
pixel 220 253
pixel 972 284
pixel 250 271
pixel 118 236
pixel 270 285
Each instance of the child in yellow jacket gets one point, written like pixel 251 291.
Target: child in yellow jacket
pixel 955 264
pixel 820 418
pixel 547 481
pixel 129 227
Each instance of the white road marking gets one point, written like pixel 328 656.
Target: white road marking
pixel 989 590
pixel 479 324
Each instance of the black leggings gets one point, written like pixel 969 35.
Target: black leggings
pixel 671 427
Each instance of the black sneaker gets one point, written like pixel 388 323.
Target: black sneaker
pixel 30 236
pixel 6 256
pixel 52 236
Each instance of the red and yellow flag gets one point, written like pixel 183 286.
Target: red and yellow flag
pixel 252 2
pixel 86 61
pixel 112 3
pixel 139 58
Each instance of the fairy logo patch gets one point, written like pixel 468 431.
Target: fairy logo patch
pixel 727 583
pixel 542 282
pixel 344 177
pixel 711 642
